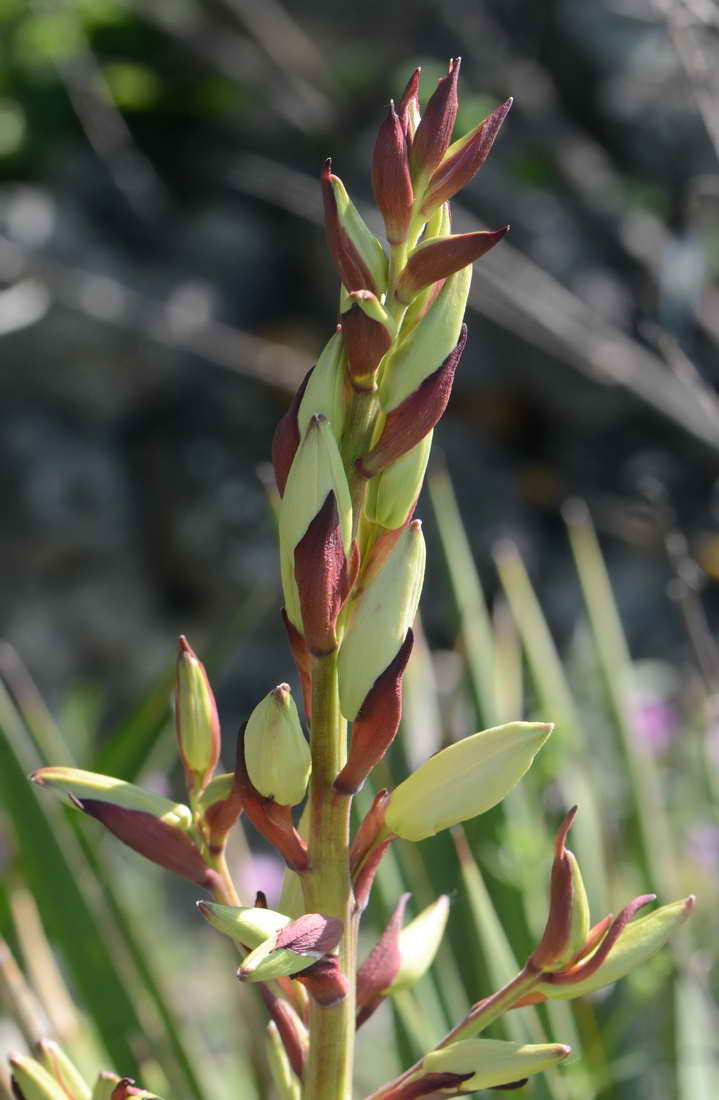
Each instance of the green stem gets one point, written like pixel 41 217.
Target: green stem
pixel 328 888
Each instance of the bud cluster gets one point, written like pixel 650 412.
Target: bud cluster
pixel 349 457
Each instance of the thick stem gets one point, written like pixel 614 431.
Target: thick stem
pixel 328 888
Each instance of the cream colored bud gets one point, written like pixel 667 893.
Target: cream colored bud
pixel 196 721
pixel 33 1080
pixel 464 780
pixel 54 1059
pixel 277 756
pixel 418 944
pixel 316 471
pixel 392 493
pixel 324 393
pixel 381 618
pixel 426 347
pixel 493 1062
pixel 638 941
pixel 105 788
pixel 250 925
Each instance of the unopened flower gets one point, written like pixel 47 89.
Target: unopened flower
pixel 294 948
pixel 54 1059
pixel 196 720
pixel 493 1062
pixel 277 755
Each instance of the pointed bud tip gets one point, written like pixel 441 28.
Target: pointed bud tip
pixel 183 646
pixel 690 904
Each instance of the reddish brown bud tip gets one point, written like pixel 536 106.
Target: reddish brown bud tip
pixel 324 981
pixel 441 258
pixel 369 830
pixel 381 966
pixel 563 831
pixel 464 159
pixel 430 1084
pixel 156 840
pixel 376 724
pixel 310 932
pixel 351 268
pixel 286 439
pixel 414 417
pixel 366 340
pixel 409 105
pixel 322 574
pixel 434 132
pixel 391 180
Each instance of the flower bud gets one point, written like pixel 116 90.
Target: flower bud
pixel 568 923
pixel 419 943
pixel 464 780
pixel 249 925
pixel 316 472
pixel 463 159
pixel 392 494
pixel 359 257
pixel 493 1062
pixel 286 1081
pixel 105 1085
pixel 436 259
pixel 294 948
pixel 54 1059
pixel 427 346
pixel 31 1081
pixel 277 756
pixel 379 969
pixel 409 106
pixel 391 181
pixel 434 132
pixel 409 422
pixel 286 438
pixel 196 721
pixel 368 331
pixel 381 618
pixel 149 824
pixel 634 943
pixel 80 785
pixel 324 391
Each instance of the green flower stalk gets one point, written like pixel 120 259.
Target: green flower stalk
pixel 349 457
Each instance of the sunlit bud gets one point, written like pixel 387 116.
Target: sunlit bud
pixel 493 1062
pixel 439 258
pixel 324 390
pixel 419 943
pixel 369 831
pixel 434 132
pixel 316 472
pixel 392 494
pixel 380 968
pixel 196 721
pixel 324 575
pixel 409 106
pixel 567 925
pixel 292 1030
pixel 409 422
pixel 463 159
pixel 272 819
pixel 286 1081
pixel 359 257
pixel 368 331
pixel 391 180
pixel 376 724
pixel 286 438
pixel 248 925
pixel 277 755
pixel 425 348
pixel 627 945
pixel 79 785
pixel 464 780
pixel 384 612
pixel 105 1085
pixel 295 947
pixel 54 1059
pixel 31 1081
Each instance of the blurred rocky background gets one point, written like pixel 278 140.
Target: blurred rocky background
pixel 165 283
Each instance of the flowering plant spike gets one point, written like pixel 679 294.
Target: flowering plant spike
pixel 349 457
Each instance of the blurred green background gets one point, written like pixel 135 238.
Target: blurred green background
pixel 164 284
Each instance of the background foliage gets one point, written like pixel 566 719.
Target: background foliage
pixel 164 285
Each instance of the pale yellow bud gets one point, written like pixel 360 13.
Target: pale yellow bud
pixel 277 756
pixel 493 1062
pixel 418 944
pixel 392 493
pixel 105 788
